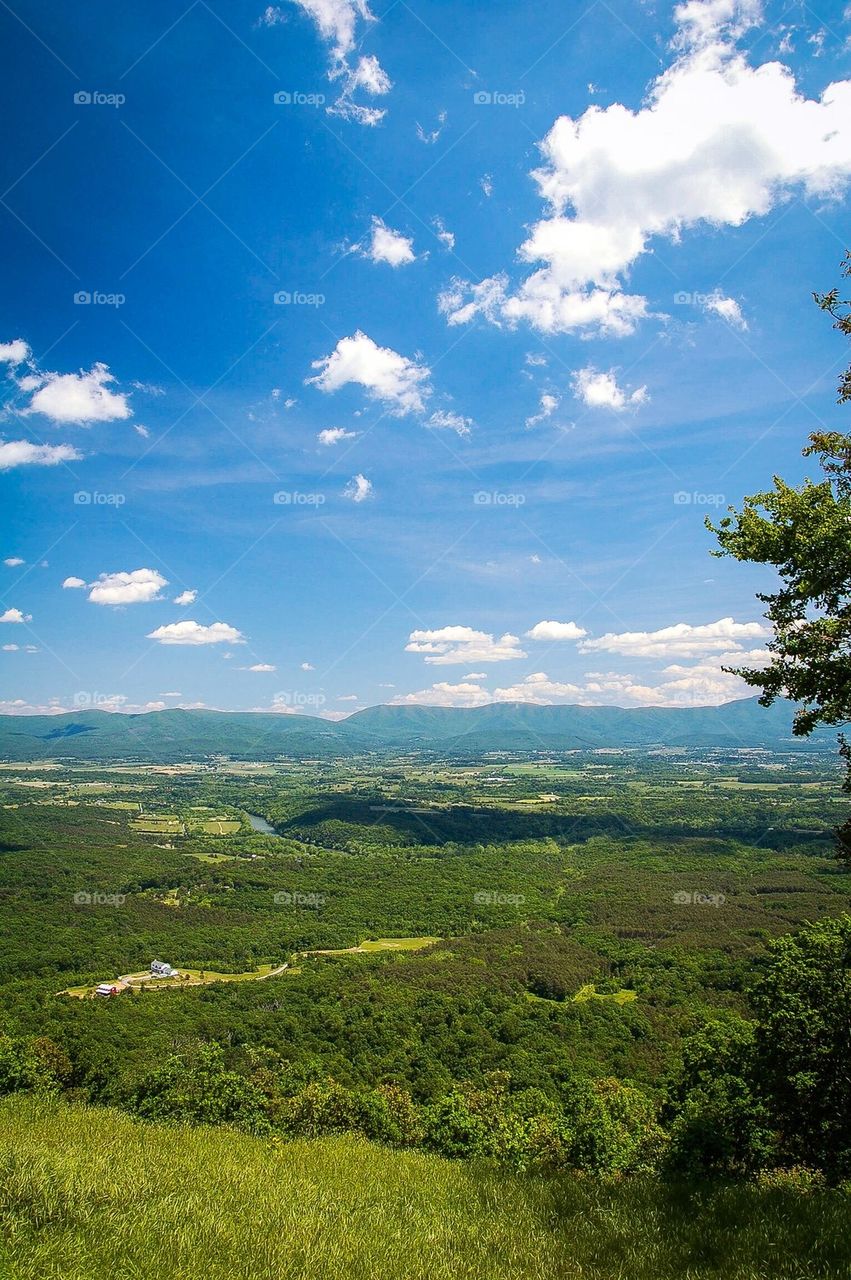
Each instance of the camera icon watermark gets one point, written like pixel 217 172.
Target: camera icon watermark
pixel 92 498
pixel 296 98
pixel 85 98
pixel 682 498
pixel 295 498
pixel 83 698
pixel 83 898
pixel 295 698
pixel 286 899
pixel 495 498
pixel 289 298
pixel 684 898
pixel 497 98
pixel 96 298
pixel 493 898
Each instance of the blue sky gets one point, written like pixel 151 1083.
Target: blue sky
pixel 420 339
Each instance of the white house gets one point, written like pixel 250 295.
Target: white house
pixel 159 969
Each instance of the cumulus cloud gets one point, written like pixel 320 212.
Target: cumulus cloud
pixel 14 352
pixel 73 584
pixel 716 143
pixel 307 666
pixel 335 435
pixel 79 398
pixel 136 587
pixel 448 421
pixel 399 383
pixel 556 631
pixel 23 453
pixel 549 404
pixel 537 688
pixel 727 308
pixel 15 615
pixel 444 694
pixel 13 561
pixel 446 238
pixel 358 489
pixel 447 645
pixel 681 640
pixel 186 597
pixel 600 390
pixel 195 633
pixel 337 23
pixel 261 667
pixel 387 245
pixel 370 77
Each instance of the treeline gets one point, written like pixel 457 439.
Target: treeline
pixel 744 1095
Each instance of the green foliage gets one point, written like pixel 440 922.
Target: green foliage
pixel 32 1064
pixel 90 1194
pixel 197 1088
pixel 803 1043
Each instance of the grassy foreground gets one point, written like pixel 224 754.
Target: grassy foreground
pixel 90 1194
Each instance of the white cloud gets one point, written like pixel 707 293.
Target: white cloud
pixel 337 22
pixel 73 583
pixel 475 675
pixel 13 561
pixel 449 421
pixel 358 489
pixel 142 431
pixel 80 398
pixel 261 667
pixel 702 22
pixel 464 694
pixel 347 697
pixel 22 453
pixel 335 435
pixel 387 245
pixel 186 597
pixel 716 143
pixel 136 587
pixel 307 666
pixel 429 137
pixel 14 352
pixel 399 383
pixel 448 645
pixel 15 615
pixel 445 237
pixel 549 404
pixel 486 184
pixel 195 633
pixel 537 688
pixel 272 16
pixel 556 631
pixel 368 76
pixel 681 640
pixel 10 648
pixel 727 308
pixel 600 390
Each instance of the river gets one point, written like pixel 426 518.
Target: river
pixel 261 825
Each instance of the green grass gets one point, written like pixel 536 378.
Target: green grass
pixel 590 992
pixel 90 1194
pixel 194 976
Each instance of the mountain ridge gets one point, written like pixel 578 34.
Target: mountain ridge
pixel 178 734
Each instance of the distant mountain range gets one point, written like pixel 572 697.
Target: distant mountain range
pixel 168 736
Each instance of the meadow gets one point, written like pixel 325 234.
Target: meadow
pixel 89 1194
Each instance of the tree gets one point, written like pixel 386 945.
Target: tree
pixel 804 532
pixel 803 1043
